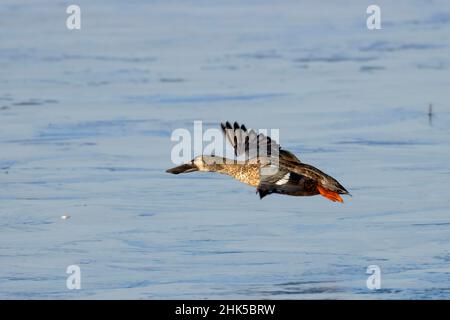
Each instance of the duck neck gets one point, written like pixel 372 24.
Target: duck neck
pixel 219 164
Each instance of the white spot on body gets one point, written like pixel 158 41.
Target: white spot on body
pixel 283 180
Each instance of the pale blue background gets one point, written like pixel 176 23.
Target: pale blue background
pixel 85 124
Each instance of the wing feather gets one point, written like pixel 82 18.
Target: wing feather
pixel 248 142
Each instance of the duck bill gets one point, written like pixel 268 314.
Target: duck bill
pixel 184 168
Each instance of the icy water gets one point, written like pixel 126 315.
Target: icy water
pixel 85 124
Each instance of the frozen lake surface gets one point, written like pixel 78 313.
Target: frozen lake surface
pixel 85 124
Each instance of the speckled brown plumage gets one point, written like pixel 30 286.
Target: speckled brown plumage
pixel 246 173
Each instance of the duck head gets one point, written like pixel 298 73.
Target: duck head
pixel 200 163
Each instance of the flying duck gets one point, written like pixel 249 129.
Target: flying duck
pixel 267 167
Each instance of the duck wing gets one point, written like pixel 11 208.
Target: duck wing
pixel 248 142
pixel 315 174
pixel 286 182
pixel 289 156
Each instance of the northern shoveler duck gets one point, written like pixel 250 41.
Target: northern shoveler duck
pixel 291 177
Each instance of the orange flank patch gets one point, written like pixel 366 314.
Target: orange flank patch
pixel 333 196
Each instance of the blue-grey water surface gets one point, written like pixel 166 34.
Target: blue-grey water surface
pixel 85 123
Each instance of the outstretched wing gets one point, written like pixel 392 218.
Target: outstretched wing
pixel 274 176
pixel 248 142
pixel 289 156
